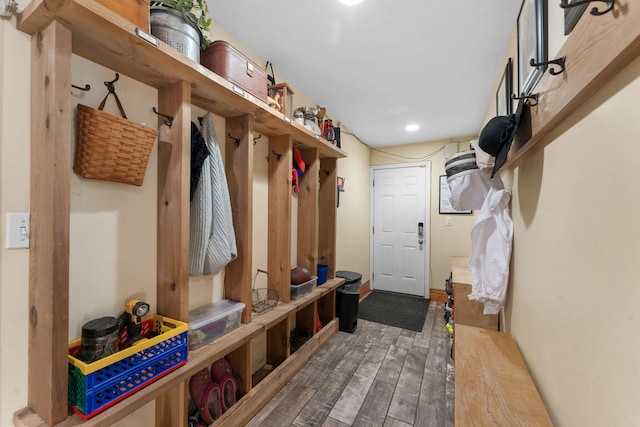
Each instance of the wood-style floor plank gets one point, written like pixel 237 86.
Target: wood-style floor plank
pixel 378 376
pixel 432 407
pixel 348 405
pixel 392 365
pixel 374 409
pixel 317 411
pixel 392 422
pixel 404 404
pixel 330 422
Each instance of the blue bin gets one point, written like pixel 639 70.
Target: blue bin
pixel 323 273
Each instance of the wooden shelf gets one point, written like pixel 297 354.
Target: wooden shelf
pixel 597 49
pixel 105 38
pixel 202 358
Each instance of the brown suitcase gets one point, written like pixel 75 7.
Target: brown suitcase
pixel 226 61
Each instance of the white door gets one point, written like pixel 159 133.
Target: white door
pixel 400 233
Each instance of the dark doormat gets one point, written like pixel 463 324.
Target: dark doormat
pixel 402 311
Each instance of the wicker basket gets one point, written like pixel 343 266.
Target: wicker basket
pixel 111 148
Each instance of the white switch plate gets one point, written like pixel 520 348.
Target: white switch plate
pixel 447 220
pixel 17 231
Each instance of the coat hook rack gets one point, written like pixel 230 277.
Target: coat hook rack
pixel 256 140
pixel 236 141
pixel 110 85
pixel 559 62
pixel 278 156
pixel 86 87
pixel 529 98
pixel 168 119
pixel 610 3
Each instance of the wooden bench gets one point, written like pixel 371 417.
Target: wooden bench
pixel 492 384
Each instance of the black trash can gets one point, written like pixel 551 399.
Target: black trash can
pixel 347 299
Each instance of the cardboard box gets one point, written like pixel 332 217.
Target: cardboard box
pixel 134 11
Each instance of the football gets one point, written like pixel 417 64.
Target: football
pixel 299 275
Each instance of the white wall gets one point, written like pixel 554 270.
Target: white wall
pixel 14 197
pixel 353 228
pixel 572 302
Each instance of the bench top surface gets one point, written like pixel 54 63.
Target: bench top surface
pixel 492 383
pixel 460 270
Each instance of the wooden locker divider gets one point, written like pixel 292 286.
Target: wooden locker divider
pixel 240 361
pixel 51 120
pixel 279 215
pixel 327 307
pixel 174 172
pixel 306 319
pixel 327 203
pixel 308 211
pixel 278 344
pixel 239 170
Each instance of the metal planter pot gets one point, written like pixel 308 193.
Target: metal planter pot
pixel 169 26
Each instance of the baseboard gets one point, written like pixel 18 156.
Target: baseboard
pixel 365 289
pixel 438 295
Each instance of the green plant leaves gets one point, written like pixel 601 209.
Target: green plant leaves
pixel 194 11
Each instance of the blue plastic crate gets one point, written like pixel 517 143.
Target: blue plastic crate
pixel 93 390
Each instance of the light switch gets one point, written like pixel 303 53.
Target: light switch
pixel 17 231
pixel 447 220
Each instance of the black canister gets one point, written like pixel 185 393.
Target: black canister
pixel 98 339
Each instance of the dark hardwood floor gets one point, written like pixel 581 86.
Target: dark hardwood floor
pixel 378 376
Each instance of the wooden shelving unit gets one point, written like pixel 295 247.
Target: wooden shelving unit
pixel 87 28
pixel 597 49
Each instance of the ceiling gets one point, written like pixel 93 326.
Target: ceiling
pixel 381 65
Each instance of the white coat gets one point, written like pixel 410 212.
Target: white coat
pixel 491 242
pixel 212 236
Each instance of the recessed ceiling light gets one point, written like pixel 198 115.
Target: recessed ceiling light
pixel 412 128
pixel 350 2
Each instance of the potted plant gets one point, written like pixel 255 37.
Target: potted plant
pixel 180 24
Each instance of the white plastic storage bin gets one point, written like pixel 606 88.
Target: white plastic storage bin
pixel 298 291
pixel 213 320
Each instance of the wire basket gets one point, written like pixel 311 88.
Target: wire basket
pixel 263 299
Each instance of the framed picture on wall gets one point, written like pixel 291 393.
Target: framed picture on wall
pixel 503 94
pixel 444 206
pixel 532 44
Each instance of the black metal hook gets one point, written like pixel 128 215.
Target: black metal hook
pixel 256 139
pixel 168 119
pixel 610 3
pixel 86 87
pixel 277 155
pixel 236 141
pixel 110 85
pixel 559 62
pixel 200 119
pixel 527 97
